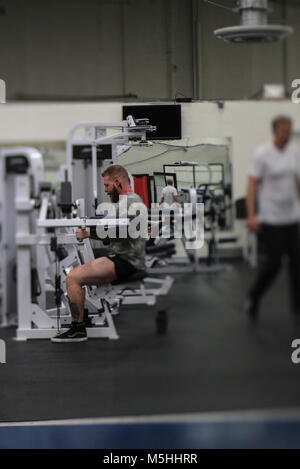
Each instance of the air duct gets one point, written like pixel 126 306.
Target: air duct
pixel 254 25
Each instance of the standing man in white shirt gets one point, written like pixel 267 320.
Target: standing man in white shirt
pixel 274 213
pixel 169 195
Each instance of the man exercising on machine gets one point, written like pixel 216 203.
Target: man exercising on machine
pixel 127 256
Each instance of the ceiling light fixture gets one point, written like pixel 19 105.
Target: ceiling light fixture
pixel 254 25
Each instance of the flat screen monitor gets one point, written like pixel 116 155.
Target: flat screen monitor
pixel 166 117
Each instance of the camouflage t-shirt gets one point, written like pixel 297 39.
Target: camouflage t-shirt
pixel 131 247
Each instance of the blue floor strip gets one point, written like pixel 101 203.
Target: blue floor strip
pixel 156 435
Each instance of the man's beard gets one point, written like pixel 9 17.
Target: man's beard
pixel 114 195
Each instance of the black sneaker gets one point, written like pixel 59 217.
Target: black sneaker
pixel 76 333
pixel 251 308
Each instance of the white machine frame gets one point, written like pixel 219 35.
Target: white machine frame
pixel 96 134
pixel 9 182
pixel 37 322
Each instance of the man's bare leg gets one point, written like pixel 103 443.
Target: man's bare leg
pixel 96 272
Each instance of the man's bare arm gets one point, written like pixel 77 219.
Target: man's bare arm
pixel 252 220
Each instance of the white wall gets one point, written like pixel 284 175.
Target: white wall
pixel 247 123
pixel 50 122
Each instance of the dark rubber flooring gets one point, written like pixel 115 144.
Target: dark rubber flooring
pixel 211 359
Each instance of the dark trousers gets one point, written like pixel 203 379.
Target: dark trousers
pixel 275 242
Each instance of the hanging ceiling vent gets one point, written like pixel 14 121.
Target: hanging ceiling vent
pixel 254 25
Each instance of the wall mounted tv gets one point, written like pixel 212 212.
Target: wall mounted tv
pixel 166 117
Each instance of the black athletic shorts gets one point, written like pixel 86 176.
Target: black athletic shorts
pixel 123 268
